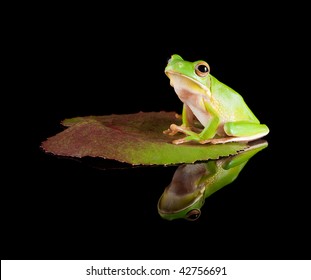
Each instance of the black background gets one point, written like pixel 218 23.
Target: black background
pixel 79 63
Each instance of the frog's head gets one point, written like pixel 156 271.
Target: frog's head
pixel 184 196
pixel 186 76
pixel 172 206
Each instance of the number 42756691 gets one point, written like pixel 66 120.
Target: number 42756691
pixel 200 270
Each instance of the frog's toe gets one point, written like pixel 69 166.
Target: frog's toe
pixel 181 140
pixel 186 139
pixel 177 128
pixel 167 131
pixel 172 130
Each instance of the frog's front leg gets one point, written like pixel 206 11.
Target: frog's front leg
pixel 193 133
pixel 187 123
pixel 187 127
pixel 185 130
pixel 174 129
pixel 207 133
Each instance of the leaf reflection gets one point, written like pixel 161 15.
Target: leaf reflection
pixel 193 183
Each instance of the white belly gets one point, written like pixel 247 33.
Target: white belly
pixel 200 114
pixel 196 104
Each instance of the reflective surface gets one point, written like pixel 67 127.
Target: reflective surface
pixel 193 183
pixel 69 209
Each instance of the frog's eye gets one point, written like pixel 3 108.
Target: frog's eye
pixel 193 215
pixel 202 69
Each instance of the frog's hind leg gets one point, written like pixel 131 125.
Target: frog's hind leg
pixel 241 131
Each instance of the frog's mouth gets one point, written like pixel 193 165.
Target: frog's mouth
pixel 185 85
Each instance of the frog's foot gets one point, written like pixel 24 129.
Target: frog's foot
pixel 184 140
pixel 191 135
pixel 174 129
pixel 232 139
pixel 220 140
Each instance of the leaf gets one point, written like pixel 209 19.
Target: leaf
pixel 132 138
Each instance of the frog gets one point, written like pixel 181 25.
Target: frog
pixel 193 183
pixel 212 112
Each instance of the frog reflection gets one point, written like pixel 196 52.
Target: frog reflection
pixel 193 183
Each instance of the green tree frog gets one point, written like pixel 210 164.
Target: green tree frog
pixel 193 183
pixel 212 112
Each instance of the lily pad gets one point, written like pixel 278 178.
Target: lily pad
pixel 137 139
